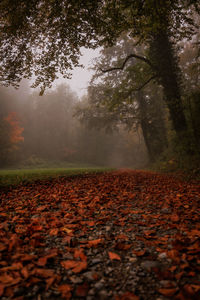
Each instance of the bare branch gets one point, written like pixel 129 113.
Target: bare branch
pixel 145 83
pixel 146 60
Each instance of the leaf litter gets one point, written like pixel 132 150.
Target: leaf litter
pixel 119 235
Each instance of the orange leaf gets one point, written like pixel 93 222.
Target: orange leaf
pixel 76 266
pixel 175 218
pixel 65 291
pixel 167 292
pixel 80 254
pixel 45 273
pixel 94 243
pixel 54 231
pixel 68 264
pixel 2 247
pixel 113 255
pixel 42 261
pixel 82 265
pixel 24 272
pixel 49 282
pixel 6 279
pixel 139 253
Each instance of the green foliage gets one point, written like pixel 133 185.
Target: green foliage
pixel 15 177
pixel 42 37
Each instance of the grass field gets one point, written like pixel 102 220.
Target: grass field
pixel 15 177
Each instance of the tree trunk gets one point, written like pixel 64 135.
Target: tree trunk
pixel 166 66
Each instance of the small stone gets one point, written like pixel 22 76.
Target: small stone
pixel 132 259
pixel 89 276
pixel 148 264
pixel 76 280
pixel 108 228
pixel 99 285
pixel 95 261
pixel 165 211
pixel 162 255
pixel 102 295
pixel 91 292
pixel 18 291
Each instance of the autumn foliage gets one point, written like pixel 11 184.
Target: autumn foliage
pixel 16 131
pixel 129 235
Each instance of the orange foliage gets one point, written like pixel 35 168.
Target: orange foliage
pixel 16 131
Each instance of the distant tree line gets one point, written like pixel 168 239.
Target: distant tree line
pixel 37 131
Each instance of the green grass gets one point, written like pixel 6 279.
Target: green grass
pixel 15 177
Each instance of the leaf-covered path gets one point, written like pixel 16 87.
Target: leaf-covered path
pixel 119 235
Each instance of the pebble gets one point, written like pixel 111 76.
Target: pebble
pixel 165 211
pixel 162 255
pixel 148 264
pixel 89 276
pixel 76 280
pixel 95 261
pixel 132 259
pixel 103 295
pixel 91 292
pixel 99 285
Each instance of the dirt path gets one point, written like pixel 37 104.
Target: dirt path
pixel 120 235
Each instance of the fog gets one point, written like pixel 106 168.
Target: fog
pixel 42 131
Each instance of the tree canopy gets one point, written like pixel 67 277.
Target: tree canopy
pixel 42 38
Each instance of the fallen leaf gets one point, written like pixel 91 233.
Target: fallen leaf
pixel 113 256
pixel 82 290
pixel 167 292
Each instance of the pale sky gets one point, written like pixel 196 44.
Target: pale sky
pixel 81 77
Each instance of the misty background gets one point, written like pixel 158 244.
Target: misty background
pixel 45 130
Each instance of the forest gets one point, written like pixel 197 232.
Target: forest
pixel 142 103
pixel 100 193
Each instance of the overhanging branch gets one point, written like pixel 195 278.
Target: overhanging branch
pixel 145 83
pixel 146 60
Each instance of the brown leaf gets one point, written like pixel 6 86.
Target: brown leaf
pixel 82 290
pixel 2 287
pixel 127 296
pixel 2 247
